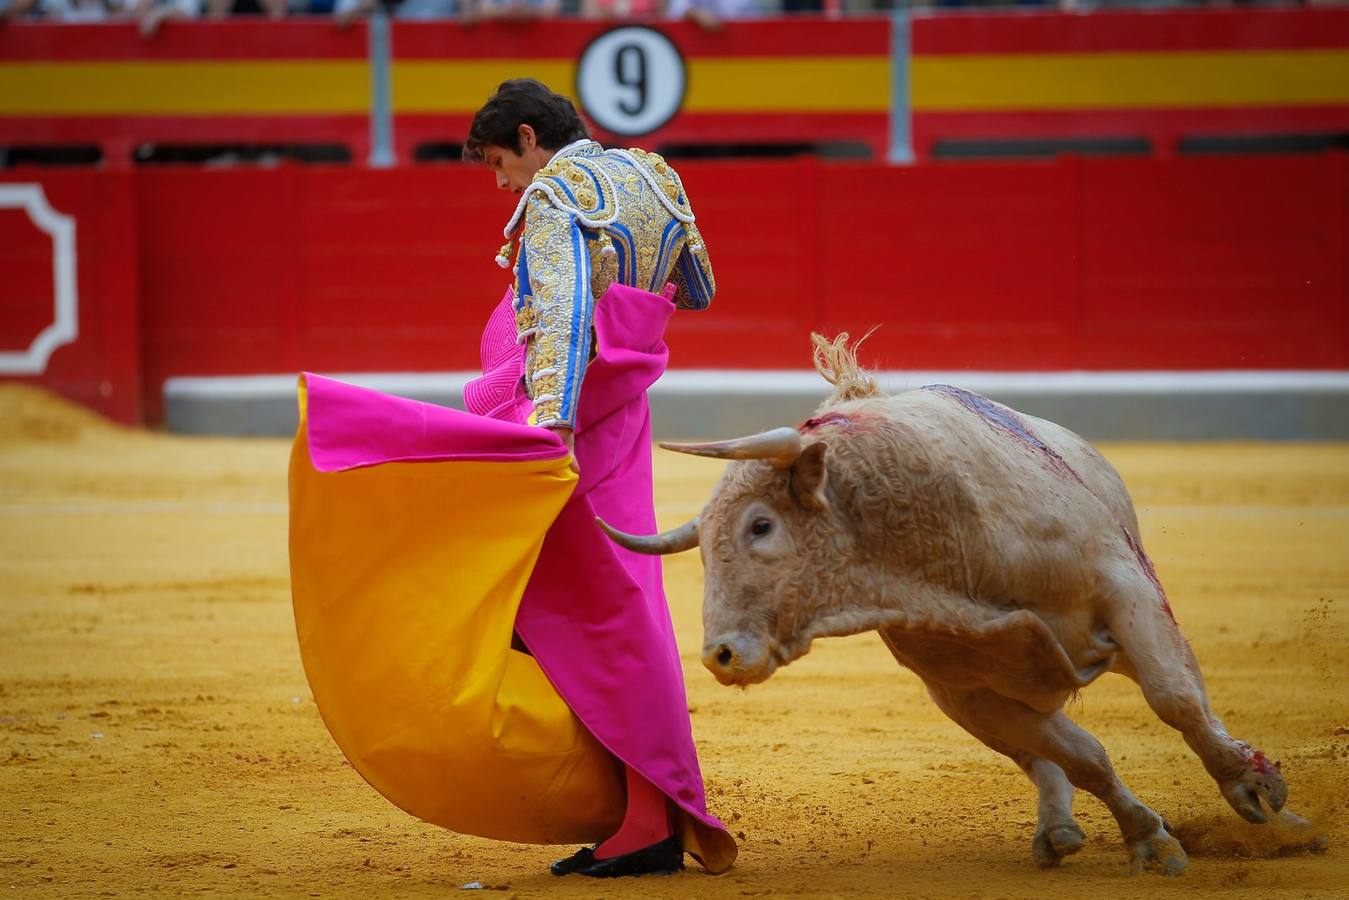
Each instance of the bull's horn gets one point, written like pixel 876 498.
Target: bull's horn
pixel 781 447
pixel 685 537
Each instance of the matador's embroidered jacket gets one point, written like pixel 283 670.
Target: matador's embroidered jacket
pixel 593 217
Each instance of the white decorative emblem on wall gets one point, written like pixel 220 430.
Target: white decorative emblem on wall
pixel 65 326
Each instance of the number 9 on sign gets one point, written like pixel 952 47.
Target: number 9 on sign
pixel 631 80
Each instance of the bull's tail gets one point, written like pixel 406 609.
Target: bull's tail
pixel 837 364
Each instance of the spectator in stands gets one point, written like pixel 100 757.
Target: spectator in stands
pixel 345 12
pixel 272 9
pixel 150 14
pixel 711 13
pixel 15 9
pixel 61 10
pixel 621 9
pixel 348 11
pixel 511 10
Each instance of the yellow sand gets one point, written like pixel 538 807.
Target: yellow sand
pixel 157 734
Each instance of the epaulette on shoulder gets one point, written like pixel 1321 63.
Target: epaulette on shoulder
pixel 578 187
pixel 663 180
pixel 584 187
pixel 573 184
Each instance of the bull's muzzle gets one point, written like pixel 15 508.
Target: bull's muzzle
pixel 735 659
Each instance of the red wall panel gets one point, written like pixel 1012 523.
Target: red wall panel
pixel 1211 263
pixel 101 366
pixel 218 255
pixel 957 266
pixel 1074 264
pixel 26 301
pixel 756 220
pixel 385 262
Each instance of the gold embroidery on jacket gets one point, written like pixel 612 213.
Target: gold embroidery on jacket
pixel 558 246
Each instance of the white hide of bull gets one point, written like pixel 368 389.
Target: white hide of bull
pixel 999 557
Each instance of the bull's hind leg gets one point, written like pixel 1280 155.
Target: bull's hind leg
pixel 1056 832
pixel 1157 656
pixel 1056 738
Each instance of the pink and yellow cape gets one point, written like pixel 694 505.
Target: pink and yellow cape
pixel 423 538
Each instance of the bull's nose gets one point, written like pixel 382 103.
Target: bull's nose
pixel 724 657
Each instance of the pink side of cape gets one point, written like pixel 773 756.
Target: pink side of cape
pixel 595 615
pixel 351 427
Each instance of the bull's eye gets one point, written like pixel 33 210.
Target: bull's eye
pixel 761 526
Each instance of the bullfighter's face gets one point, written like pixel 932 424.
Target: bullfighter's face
pixel 513 169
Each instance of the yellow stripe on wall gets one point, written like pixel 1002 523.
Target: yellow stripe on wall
pixel 184 88
pixel 715 85
pixel 789 84
pixel 462 86
pixel 1130 80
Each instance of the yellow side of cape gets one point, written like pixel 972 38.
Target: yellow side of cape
pixel 406 578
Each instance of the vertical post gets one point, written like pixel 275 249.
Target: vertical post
pixel 380 54
pixel 901 112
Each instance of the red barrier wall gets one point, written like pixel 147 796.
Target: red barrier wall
pixel 1096 264
pixel 1075 264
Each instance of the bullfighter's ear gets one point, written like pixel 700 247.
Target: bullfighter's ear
pixel 809 477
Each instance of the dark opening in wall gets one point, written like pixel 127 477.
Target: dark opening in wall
pixel 450 151
pixel 221 155
pixel 438 152
pixel 1039 148
pixel 1265 143
pixel 823 149
pixel 56 155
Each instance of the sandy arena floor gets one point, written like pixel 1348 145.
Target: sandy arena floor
pixel 157 734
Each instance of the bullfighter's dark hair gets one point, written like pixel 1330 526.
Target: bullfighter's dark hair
pixel 523 101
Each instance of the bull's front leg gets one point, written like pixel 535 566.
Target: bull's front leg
pixel 1056 738
pixel 1056 831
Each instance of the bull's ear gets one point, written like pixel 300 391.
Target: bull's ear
pixel 809 477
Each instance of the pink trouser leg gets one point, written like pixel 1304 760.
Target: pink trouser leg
pixel 646 822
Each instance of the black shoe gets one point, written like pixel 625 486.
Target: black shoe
pixel 664 858
pixel 578 860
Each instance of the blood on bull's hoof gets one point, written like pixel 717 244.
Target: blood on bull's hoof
pixel 999 557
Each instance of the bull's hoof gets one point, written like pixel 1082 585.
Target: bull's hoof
pixel 1295 825
pixel 1160 853
pixel 1051 844
pixel 1261 781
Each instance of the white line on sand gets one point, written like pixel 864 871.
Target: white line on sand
pixel 138 507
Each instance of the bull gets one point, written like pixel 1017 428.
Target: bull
pixel 997 554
